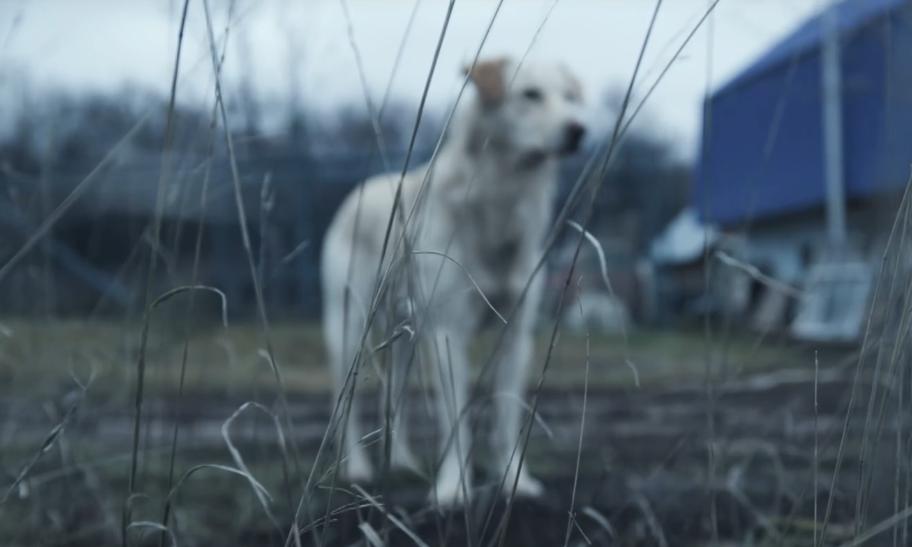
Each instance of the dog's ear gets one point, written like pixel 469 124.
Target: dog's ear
pixel 489 78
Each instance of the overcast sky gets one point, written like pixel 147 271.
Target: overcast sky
pixel 105 45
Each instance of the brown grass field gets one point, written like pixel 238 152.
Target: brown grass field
pixel 652 457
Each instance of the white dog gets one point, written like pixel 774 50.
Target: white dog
pixel 471 223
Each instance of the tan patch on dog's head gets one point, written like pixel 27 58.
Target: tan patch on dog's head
pixel 489 79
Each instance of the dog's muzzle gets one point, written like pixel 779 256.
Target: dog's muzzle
pixel 573 136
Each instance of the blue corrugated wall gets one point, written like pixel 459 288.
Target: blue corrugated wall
pixel 761 148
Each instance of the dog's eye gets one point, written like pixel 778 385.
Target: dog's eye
pixel 532 94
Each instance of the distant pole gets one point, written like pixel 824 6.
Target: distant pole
pixel 831 81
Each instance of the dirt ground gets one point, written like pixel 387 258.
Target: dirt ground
pixel 673 460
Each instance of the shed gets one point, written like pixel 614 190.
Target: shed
pixel 761 152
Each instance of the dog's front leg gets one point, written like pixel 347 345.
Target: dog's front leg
pixel 450 375
pixel 511 412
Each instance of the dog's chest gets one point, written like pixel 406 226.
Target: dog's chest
pixel 496 238
pixel 496 241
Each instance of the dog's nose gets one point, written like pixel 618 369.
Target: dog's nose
pixel 573 135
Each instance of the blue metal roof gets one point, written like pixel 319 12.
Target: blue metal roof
pixel 761 151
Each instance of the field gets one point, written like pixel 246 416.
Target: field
pixel 146 420
pixel 671 452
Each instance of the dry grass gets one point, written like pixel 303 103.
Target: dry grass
pixel 92 454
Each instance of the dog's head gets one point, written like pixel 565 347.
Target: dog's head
pixel 534 111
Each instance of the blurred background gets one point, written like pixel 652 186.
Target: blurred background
pixel 741 376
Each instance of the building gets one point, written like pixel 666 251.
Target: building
pixel 761 168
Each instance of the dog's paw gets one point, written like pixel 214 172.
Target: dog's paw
pixel 403 458
pixel 449 490
pixel 526 487
pixel 356 468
